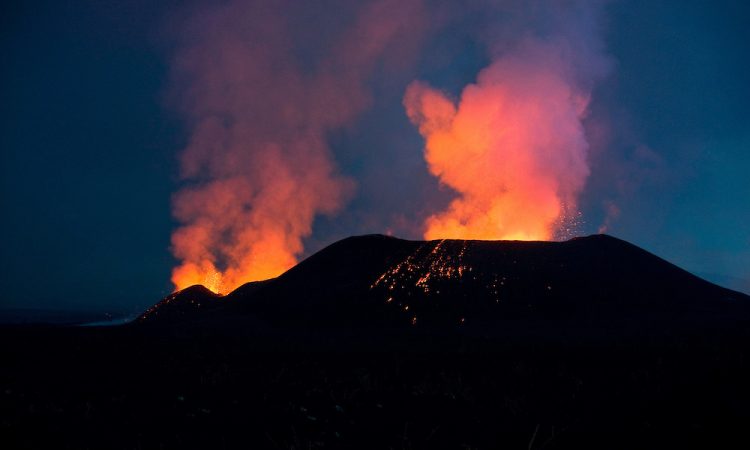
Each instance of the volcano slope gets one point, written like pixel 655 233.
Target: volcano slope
pixel 376 342
pixel 475 287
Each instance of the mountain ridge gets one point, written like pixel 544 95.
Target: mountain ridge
pixel 381 281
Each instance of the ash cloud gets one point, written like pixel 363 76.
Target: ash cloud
pixel 513 146
pixel 264 86
pixel 260 88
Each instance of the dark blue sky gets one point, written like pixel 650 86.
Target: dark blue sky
pixel 88 146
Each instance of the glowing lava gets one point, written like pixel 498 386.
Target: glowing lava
pixel 190 274
pixel 426 269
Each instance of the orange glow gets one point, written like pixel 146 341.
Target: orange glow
pixel 253 237
pixel 190 274
pixel 257 166
pixel 513 148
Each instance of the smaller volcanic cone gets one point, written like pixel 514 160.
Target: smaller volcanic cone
pixel 182 304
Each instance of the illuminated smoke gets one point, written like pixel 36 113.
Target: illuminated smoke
pixel 513 146
pixel 260 85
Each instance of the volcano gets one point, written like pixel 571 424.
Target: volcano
pixel 485 287
pixel 376 342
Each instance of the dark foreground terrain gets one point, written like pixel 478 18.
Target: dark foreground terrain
pixel 590 343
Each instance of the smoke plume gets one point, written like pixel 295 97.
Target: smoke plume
pixel 260 92
pixel 513 146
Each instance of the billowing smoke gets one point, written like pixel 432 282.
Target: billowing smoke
pixel 513 146
pixel 261 85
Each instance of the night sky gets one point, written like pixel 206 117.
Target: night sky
pixel 93 127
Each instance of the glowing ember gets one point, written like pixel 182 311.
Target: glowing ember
pixel 424 264
pixel 424 271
